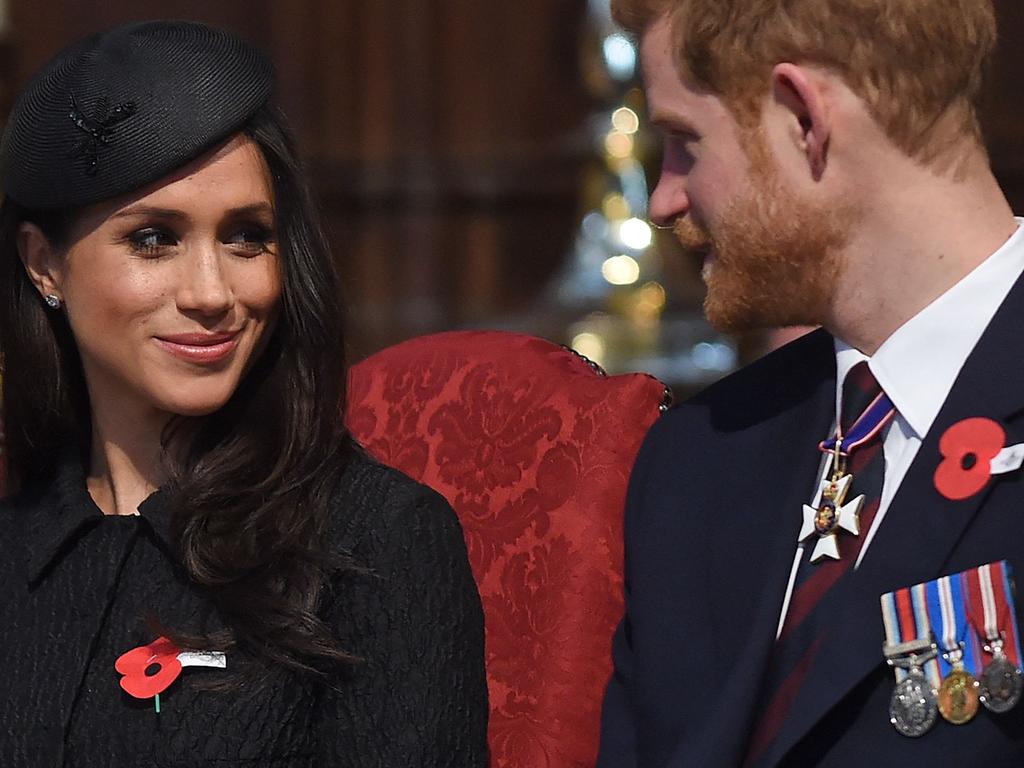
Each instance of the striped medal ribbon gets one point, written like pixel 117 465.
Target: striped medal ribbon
pixel 991 611
pixel 910 651
pixel 959 691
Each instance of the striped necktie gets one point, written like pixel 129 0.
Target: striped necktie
pixel 806 627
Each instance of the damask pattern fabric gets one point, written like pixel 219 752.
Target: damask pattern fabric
pixel 533 448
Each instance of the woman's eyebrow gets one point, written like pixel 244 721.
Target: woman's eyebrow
pixel 173 214
pixel 150 210
pixel 263 208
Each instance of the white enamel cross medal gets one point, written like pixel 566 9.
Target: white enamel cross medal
pixel 833 512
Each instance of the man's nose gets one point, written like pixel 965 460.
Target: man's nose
pixel 669 200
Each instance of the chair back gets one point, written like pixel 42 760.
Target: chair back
pixel 532 445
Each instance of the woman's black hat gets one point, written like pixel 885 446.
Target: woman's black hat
pixel 123 108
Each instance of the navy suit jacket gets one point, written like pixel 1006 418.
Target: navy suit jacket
pixel 712 518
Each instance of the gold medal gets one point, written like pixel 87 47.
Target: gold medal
pixel 959 696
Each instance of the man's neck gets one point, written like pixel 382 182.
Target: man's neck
pixel 920 235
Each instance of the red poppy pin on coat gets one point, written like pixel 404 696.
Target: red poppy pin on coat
pixel 972 451
pixel 149 670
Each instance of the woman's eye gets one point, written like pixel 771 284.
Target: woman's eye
pixel 251 240
pixel 150 240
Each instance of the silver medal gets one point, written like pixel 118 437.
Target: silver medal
pixel 1001 684
pixel 914 706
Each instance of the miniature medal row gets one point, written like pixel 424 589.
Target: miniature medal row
pixel 954 646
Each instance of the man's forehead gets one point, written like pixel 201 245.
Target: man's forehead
pixel 655 44
pixel 672 100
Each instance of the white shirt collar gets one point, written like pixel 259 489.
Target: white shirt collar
pixel 919 362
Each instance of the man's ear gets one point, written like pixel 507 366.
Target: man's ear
pixel 42 262
pixel 798 91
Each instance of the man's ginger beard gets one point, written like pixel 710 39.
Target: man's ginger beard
pixel 775 256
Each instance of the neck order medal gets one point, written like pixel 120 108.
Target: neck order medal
pixel 833 513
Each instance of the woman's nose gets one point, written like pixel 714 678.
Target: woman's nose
pixel 204 287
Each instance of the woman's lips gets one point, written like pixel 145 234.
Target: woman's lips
pixel 200 348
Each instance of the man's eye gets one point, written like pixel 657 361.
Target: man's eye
pixel 685 138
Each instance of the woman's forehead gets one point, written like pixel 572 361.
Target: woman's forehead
pixel 233 174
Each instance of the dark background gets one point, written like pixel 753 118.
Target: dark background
pixel 445 137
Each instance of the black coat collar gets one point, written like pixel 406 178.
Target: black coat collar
pixel 63 512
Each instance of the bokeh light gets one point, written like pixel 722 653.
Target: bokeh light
pixel 621 270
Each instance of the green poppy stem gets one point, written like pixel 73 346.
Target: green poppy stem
pixel 157 703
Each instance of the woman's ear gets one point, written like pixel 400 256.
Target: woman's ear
pixel 800 93
pixel 42 262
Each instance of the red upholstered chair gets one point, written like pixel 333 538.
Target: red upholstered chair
pixel 532 445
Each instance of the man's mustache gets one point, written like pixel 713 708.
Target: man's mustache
pixel 691 235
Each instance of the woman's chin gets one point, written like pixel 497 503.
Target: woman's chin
pixel 194 407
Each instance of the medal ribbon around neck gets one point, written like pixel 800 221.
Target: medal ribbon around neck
pixel 872 421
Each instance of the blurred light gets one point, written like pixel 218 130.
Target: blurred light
pixel 636 234
pixel 625 120
pixel 615 207
pixel 649 303
pixel 633 181
pixel 595 225
pixel 619 145
pixel 713 357
pixel 620 56
pixel 590 345
pixel 653 295
pixel 621 270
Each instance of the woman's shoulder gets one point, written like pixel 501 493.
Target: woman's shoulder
pixel 19 524
pixel 17 507
pixel 376 507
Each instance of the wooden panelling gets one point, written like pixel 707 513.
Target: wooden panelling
pixel 445 138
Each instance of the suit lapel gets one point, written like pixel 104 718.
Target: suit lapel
pixel 921 527
pixel 773 528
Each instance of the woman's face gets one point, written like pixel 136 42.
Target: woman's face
pixel 170 293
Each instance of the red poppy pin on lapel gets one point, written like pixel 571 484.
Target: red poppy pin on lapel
pixel 973 450
pixel 149 670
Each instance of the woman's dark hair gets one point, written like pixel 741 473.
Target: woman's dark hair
pixel 251 494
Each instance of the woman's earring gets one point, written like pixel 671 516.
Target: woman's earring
pixel 53 301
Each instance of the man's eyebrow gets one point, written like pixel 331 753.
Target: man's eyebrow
pixel 668 122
